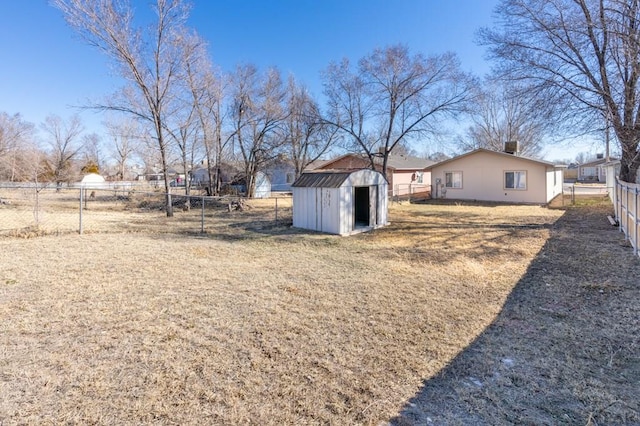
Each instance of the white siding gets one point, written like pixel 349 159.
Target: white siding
pixel 330 210
pixel 301 207
pixel 383 205
pixel 344 217
pixel 555 179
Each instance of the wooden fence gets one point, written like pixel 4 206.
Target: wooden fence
pixel 626 200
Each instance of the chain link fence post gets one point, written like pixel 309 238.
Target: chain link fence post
pixel 81 208
pixel 202 216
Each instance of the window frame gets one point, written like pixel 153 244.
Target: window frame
pixel 514 188
pixel 453 173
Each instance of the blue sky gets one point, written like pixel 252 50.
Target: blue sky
pixel 46 69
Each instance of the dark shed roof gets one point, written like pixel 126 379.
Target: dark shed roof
pixel 325 179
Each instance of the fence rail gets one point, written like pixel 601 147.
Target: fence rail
pixel 31 210
pixel 627 205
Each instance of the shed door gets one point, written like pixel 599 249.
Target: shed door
pixel 361 206
pixel 375 210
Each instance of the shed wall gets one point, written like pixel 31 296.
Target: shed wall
pixel 344 217
pixel 331 210
pixel 317 209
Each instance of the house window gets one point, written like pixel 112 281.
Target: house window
pixel 291 177
pixel 419 177
pixel 453 179
pixel 515 180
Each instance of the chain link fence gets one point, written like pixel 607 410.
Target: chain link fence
pixel 30 210
pixel 409 192
pixel 572 192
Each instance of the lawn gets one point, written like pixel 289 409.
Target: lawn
pixel 254 322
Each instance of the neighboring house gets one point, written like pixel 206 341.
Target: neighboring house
pixel 340 201
pixel 238 186
pixel 230 179
pixel 200 176
pixel 405 174
pixel 150 174
pixel 281 173
pixel 486 175
pixel 316 164
pixel 571 173
pixel 155 174
pixel 594 171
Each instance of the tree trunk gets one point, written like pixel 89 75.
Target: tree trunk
pixel 167 184
pixel 629 165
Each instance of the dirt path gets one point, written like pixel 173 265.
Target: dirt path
pixel 564 350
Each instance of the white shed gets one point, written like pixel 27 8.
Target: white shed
pixel 340 201
pixel 263 186
pixel 93 181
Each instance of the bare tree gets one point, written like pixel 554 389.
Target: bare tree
pixel 258 112
pixel 92 152
pixel 191 125
pixel 307 136
pixel 150 157
pixel 186 135
pixel 438 156
pixel 207 88
pixel 582 157
pixel 150 59
pixel 63 139
pixel 123 135
pixel 394 97
pixel 15 134
pixel 581 56
pixel 502 113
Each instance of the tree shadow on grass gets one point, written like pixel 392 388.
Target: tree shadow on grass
pixel 563 350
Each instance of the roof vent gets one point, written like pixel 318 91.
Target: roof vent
pixel 599 156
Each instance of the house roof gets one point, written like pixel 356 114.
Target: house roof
pixel 407 162
pixel 324 179
pixel 316 164
pixel 394 162
pixel 599 161
pixel 499 153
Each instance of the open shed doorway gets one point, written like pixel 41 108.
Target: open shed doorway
pixel 361 208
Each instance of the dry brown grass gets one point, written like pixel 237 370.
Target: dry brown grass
pixel 254 322
pixel 565 348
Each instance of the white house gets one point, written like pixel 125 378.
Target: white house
pixel 486 175
pixel 340 201
pixel 594 171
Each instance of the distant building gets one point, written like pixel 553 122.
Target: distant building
pixel 594 171
pixel 405 174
